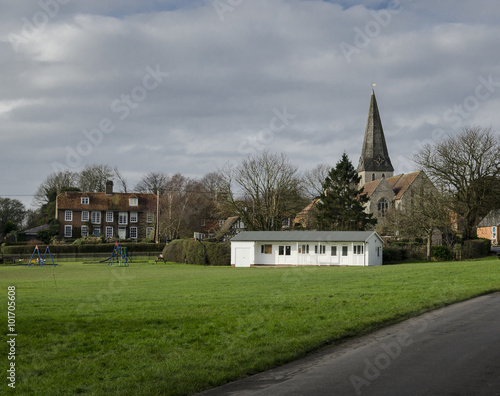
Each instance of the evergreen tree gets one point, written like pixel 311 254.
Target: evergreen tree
pixel 341 205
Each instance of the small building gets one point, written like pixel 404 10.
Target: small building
pixel 488 227
pixel 122 215
pixel 294 248
pixel 31 234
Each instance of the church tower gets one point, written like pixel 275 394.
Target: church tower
pixel 374 162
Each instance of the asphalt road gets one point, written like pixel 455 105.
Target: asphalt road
pixel 451 351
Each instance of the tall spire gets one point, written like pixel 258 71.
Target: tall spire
pixel 374 155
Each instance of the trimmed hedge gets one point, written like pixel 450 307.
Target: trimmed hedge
pixel 98 248
pixel 475 248
pixel 398 253
pixel 441 253
pixel 191 252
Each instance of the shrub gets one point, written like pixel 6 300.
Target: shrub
pixel 191 252
pixel 475 248
pixel 441 253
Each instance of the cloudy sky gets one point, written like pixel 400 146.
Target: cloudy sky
pixel 186 86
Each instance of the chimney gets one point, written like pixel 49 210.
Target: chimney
pixel 109 187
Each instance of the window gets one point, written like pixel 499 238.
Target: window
pixel 285 250
pixel 85 230
pixel 285 223
pixel 68 215
pixel 378 251
pixel 109 232
pixel 493 232
pixel 68 231
pixel 122 218
pixel 133 232
pixel 334 250
pixel 382 207
pixel 266 249
pixel 383 175
pixel 202 222
pixel 96 231
pixel 85 200
pixel 322 249
pixel 149 231
pixel 96 217
pixel 150 217
pixel 344 250
pixel 133 201
pixel 373 176
pixel 109 217
pixel 85 215
pixel 133 217
pixel 358 249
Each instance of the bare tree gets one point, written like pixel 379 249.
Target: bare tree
pixel 467 167
pixel 268 188
pixel 152 182
pixel 425 213
pixel 179 205
pixel 122 182
pixel 314 179
pixel 93 177
pixel 52 185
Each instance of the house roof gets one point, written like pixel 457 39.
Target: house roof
pixel 226 226
pixel 491 219
pixel 374 155
pixel 34 230
pixel 71 200
pixel 305 236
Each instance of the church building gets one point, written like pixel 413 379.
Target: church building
pixel 385 190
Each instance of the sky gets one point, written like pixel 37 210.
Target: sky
pixel 191 86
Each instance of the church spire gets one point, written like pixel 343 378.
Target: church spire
pixel 374 162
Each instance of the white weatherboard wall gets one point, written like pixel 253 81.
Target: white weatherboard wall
pixel 246 253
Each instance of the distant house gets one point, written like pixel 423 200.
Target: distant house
pixel 488 227
pixel 295 248
pixel 31 234
pixel 122 215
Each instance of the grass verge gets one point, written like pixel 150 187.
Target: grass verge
pixel 175 329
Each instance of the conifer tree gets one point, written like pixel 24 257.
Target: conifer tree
pixel 341 205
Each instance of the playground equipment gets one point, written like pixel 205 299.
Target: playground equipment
pixel 40 260
pixel 120 255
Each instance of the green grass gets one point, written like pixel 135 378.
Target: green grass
pixel 174 329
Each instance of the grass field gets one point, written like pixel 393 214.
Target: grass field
pixel 175 329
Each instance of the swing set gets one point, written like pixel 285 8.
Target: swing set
pixel 40 260
pixel 119 255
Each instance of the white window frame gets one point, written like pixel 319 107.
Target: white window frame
pixel 134 216
pixel 121 216
pixel 68 215
pixel 133 201
pixel 85 200
pixel 109 217
pixel 133 230
pixel 68 231
pixel 96 230
pixel 149 231
pixel 333 250
pixel 150 217
pixel 345 251
pixel 96 217
pixel 85 230
pixel 85 215
pixel 109 232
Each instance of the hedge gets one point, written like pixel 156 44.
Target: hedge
pixel 191 252
pixel 98 248
pixel 399 253
pixel 475 248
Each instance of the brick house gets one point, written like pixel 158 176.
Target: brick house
pixel 489 227
pixel 122 215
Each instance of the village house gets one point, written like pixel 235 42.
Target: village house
pixel 488 227
pixel 122 215
pixel 296 248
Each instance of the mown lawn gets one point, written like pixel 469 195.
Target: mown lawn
pixel 175 329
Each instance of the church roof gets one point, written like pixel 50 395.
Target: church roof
pixel 400 183
pixel 369 188
pixel 374 155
